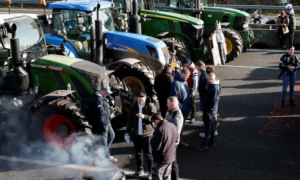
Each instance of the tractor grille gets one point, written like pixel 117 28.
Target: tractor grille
pixel 193 33
pixel 239 21
pixel 94 74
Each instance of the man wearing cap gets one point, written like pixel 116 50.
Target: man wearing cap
pixel 282 28
pixel 292 24
pixel 192 83
pixel 101 113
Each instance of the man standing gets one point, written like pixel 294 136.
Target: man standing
pixel 192 83
pixel 289 63
pixel 221 42
pixel 101 113
pixel 162 86
pixel 292 25
pixel 175 116
pixel 282 28
pixel 163 147
pixel 180 89
pixel 210 108
pixel 139 120
pixel 200 65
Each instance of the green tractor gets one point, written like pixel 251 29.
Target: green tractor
pixel 235 23
pixel 35 102
pixel 134 58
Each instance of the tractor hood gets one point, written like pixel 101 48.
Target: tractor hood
pixel 84 5
pixel 171 16
pixel 233 12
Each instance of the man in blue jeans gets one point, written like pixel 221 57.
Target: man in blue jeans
pixel 101 122
pixel 289 63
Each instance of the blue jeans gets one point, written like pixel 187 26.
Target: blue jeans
pixel 288 77
pixel 210 127
pixel 107 136
pixel 202 100
pixel 222 52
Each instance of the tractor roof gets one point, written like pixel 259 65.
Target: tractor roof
pixel 231 11
pixel 84 5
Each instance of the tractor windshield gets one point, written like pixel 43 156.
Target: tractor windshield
pixel 188 3
pixel 30 34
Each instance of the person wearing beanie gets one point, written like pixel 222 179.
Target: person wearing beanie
pixel 282 28
pixel 292 25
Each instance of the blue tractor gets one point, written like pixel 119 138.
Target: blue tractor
pixel 85 29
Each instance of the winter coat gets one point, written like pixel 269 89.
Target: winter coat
pixel 100 111
pixel 180 89
pixel 162 85
pixel 292 22
pixel 133 120
pixel 163 143
pixel 289 60
pixel 285 28
pixel 176 118
pixel 212 99
pixel 202 83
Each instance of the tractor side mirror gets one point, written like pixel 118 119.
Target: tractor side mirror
pixel 127 6
pixel 80 18
pixel 45 20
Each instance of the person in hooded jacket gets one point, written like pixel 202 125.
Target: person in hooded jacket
pixel 192 83
pixel 292 25
pixel 221 42
pixel 210 110
pixel 180 89
pixel 139 122
pixel 162 84
pixel 282 28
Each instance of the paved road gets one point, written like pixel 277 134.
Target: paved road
pixel 257 139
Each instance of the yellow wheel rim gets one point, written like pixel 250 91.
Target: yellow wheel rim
pixel 228 46
pixel 135 85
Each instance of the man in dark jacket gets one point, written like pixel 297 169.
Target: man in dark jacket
pixel 210 110
pixel 202 84
pixel 180 89
pixel 163 147
pixel 175 116
pixel 162 86
pixel 139 121
pixel 292 25
pixel 101 112
pixel 289 63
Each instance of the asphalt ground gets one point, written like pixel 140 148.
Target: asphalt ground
pixel 256 138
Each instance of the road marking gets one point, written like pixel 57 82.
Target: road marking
pixel 248 67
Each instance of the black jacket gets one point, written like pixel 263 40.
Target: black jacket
pixel 289 60
pixel 100 111
pixel 202 84
pixel 133 120
pixel 212 99
pixel 163 143
pixel 162 85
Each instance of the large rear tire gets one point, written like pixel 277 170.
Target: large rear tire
pixel 234 43
pixel 138 78
pixel 59 124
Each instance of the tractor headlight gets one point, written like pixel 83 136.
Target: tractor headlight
pixel 246 25
pixel 199 26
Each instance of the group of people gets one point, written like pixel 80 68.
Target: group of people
pixel 286 26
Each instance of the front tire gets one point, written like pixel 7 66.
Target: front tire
pixel 234 43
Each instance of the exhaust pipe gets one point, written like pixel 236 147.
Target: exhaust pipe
pixel 99 38
pixel 135 19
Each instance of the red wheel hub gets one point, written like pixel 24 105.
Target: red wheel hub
pixel 59 132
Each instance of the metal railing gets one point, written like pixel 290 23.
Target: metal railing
pixel 254 7
pixel 26 2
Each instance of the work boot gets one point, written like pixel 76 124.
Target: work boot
pixel 183 144
pixel 292 103
pixel 282 102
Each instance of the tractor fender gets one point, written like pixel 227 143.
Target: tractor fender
pixel 183 38
pixel 57 40
pixel 40 101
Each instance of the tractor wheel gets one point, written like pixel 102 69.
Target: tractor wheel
pixel 59 124
pixel 182 51
pixel 234 43
pixel 138 78
pixel 119 90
